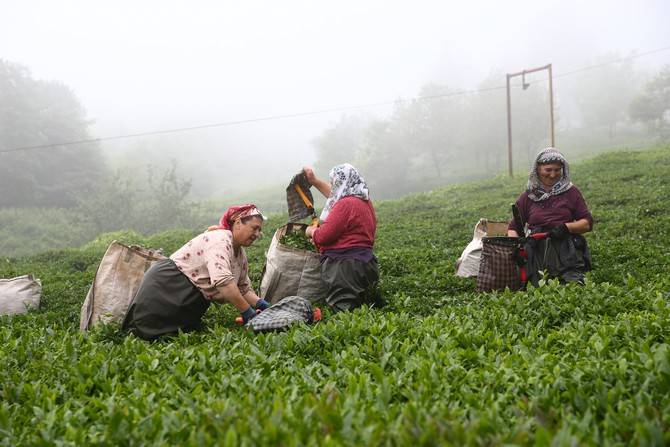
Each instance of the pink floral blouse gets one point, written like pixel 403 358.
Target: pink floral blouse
pixel 209 260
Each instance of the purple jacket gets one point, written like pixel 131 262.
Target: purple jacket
pixel 567 207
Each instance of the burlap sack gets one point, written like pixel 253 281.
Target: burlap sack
pixel 289 271
pixel 19 295
pixel 117 279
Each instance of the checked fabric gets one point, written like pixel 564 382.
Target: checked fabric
pixel 296 207
pixel 498 268
pixel 289 310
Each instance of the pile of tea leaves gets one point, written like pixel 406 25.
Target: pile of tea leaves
pixel 297 240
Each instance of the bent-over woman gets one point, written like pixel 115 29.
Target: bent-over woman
pixel 345 239
pixel 551 203
pixel 176 292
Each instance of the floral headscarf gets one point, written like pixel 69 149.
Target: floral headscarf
pixel 536 191
pixel 344 181
pixel 235 212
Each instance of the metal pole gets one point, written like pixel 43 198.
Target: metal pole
pixel 509 107
pixel 551 105
pixel 509 127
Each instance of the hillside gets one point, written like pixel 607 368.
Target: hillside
pixel 440 364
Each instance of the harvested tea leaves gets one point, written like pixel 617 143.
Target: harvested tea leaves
pixel 297 240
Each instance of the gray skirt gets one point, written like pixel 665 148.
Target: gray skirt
pixel 351 283
pixel 165 303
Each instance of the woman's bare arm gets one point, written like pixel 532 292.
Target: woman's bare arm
pixel 321 185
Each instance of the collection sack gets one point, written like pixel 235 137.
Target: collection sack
pixel 117 279
pixel 467 265
pixel 19 295
pixel 290 271
pixel 498 268
pixel 288 311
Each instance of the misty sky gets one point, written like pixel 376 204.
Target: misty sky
pixel 145 65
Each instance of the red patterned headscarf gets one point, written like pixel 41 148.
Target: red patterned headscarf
pixel 238 212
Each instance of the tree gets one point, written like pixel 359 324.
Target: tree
pixel 34 113
pixel 652 106
pixel 487 134
pixel 148 203
pixel 602 96
pixel 435 125
pixel 339 144
pixel 386 154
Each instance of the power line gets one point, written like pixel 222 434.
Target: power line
pixel 315 112
pixel 246 121
pixel 634 56
pixel 251 120
pixel 591 67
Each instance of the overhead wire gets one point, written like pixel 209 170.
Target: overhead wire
pixel 317 112
pixel 250 120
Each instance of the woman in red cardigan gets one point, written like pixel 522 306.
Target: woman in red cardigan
pixel 345 239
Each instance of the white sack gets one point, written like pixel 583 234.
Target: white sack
pixel 19 295
pixel 468 264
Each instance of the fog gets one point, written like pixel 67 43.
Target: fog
pixel 147 66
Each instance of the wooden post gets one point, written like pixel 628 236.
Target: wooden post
pixel 551 105
pixel 509 127
pixel 509 108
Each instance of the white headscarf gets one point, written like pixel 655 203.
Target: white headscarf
pixel 344 181
pixel 536 191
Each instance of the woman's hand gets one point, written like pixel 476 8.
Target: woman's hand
pixel 309 175
pixel 309 231
pixel 559 232
pixel 322 186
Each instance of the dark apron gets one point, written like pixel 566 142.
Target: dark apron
pixel 165 303
pixel 567 259
pixel 351 283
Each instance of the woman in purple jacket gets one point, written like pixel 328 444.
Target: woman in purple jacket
pixel 551 203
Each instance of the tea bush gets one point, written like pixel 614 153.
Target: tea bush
pixel 441 364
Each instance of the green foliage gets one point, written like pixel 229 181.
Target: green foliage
pixel 652 106
pixel 147 203
pixel 31 230
pixel 35 113
pixel 297 240
pixel 441 364
pixel 119 201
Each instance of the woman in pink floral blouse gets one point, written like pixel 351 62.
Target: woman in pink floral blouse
pixel 176 292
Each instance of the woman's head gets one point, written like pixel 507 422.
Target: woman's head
pixel 245 222
pixel 345 176
pixel 246 230
pixel 549 175
pixel 345 181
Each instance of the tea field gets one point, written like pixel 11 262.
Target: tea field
pixel 439 365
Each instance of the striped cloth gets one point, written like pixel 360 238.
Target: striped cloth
pixel 289 310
